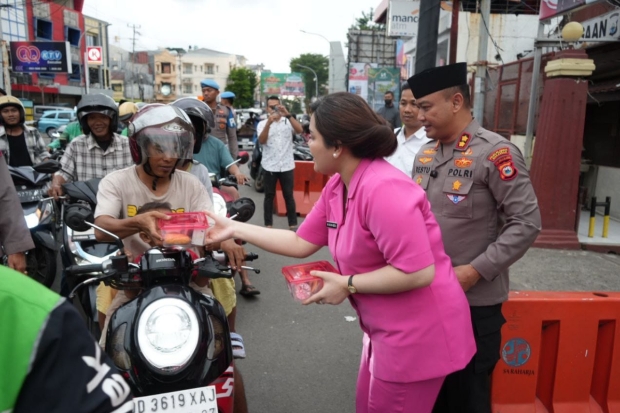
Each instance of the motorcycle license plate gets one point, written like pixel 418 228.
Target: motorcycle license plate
pixel 30 195
pixel 199 400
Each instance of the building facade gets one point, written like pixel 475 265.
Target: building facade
pixel 59 20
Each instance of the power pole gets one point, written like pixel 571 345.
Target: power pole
pixel 133 56
pixel 426 44
pixel 481 70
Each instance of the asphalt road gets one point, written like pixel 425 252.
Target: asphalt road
pixel 299 358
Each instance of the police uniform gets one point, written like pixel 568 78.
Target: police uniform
pixel 481 195
pixel 224 129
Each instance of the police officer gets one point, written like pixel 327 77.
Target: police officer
pixel 224 129
pixel 482 197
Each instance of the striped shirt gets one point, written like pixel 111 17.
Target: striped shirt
pixel 35 143
pixel 84 159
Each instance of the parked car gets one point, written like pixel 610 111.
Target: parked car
pixel 52 120
pixel 39 110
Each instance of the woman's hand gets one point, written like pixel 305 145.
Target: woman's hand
pixel 221 230
pixel 334 289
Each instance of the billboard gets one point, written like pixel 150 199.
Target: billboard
pixel 358 78
pixel 380 81
pixel 552 8
pixel 282 84
pixel 403 18
pixel 40 57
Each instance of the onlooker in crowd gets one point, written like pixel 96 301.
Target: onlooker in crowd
pixel 481 194
pixel 389 112
pixel 223 130
pixel 275 135
pixel 126 112
pixel 228 99
pixel 100 150
pixel 412 309
pixel 410 136
pixel 71 131
pixel 15 237
pixel 21 144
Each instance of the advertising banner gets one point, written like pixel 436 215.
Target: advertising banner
pixel 40 57
pixel 403 18
pixel 380 81
pixel 282 84
pixel 358 78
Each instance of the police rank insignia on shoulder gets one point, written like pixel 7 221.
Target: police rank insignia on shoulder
pixel 463 142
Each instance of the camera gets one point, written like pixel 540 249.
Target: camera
pixel 274 108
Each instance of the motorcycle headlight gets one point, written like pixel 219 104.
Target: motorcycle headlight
pixel 32 220
pixel 168 334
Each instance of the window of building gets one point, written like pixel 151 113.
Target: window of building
pixel 187 69
pixel 43 29
pixel 165 68
pixel 187 88
pixel 76 72
pixel 117 87
pixel 209 69
pixel 92 40
pixel 13 20
pixel 72 35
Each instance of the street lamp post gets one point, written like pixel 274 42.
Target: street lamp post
pixel 316 79
pixel 331 60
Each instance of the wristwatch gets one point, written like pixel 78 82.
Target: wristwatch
pixel 288 116
pixel 350 285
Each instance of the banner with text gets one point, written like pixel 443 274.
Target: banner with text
pixel 282 84
pixel 380 81
pixel 403 18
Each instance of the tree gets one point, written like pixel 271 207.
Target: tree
pixel 366 22
pixel 242 82
pixel 316 62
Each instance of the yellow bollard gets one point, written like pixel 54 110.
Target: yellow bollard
pixel 605 226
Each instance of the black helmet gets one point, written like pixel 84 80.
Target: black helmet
pixel 12 101
pixel 201 116
pixel 97 103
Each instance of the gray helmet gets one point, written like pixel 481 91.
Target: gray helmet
pixel 97 103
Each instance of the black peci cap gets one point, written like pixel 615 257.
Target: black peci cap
pixel 438 78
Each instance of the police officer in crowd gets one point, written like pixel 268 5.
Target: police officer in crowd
pixel 482 197
pixel 225 128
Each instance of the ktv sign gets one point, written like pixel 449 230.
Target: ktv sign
pixel 40 57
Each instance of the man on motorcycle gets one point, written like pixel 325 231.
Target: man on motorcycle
pixel 15 237
pixel 223 130
pixel 161 139
pixel 99 151
pixel 22 145
pixel 126 112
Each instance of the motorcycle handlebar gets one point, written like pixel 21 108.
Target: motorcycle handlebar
pixel 83 269
pixel 250 256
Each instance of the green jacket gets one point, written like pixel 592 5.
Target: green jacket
pixel 72 131
pixel 24 309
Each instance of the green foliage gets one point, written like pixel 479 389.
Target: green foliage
pixel 318 63
pixel 366 22
pixel 242 82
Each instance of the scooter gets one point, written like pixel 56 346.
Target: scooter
pixel 41 216
pixel 82 248
pixel 171 343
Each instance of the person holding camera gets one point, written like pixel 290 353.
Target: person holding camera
pixel 275 134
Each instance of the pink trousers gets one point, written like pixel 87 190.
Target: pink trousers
pixel 378 396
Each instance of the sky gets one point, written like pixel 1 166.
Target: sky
pixel 264 31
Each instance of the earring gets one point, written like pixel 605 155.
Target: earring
pixel 335 155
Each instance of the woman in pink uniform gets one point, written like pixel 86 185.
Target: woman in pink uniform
pixel 386 243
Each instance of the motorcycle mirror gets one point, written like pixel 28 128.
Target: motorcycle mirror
pixel 243 157
pixel 243 208
pixel 119 242
pixel 47 167
pixel 78 217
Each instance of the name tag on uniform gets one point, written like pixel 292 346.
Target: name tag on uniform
pixel 331 224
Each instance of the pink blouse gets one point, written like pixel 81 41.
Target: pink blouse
pixel 414 335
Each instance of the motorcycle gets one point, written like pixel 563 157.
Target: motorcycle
pixel 171 344
pixel 41 216
pixel 82 248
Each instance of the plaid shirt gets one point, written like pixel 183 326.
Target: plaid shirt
pixel 84 159
pixel 35 143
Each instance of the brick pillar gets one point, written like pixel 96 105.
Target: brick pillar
pixel 557 150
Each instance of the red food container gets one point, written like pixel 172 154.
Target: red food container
pixel 184 229
pixel 300 283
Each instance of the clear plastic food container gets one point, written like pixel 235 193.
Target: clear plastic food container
pixel 300 283
pixel 184 229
